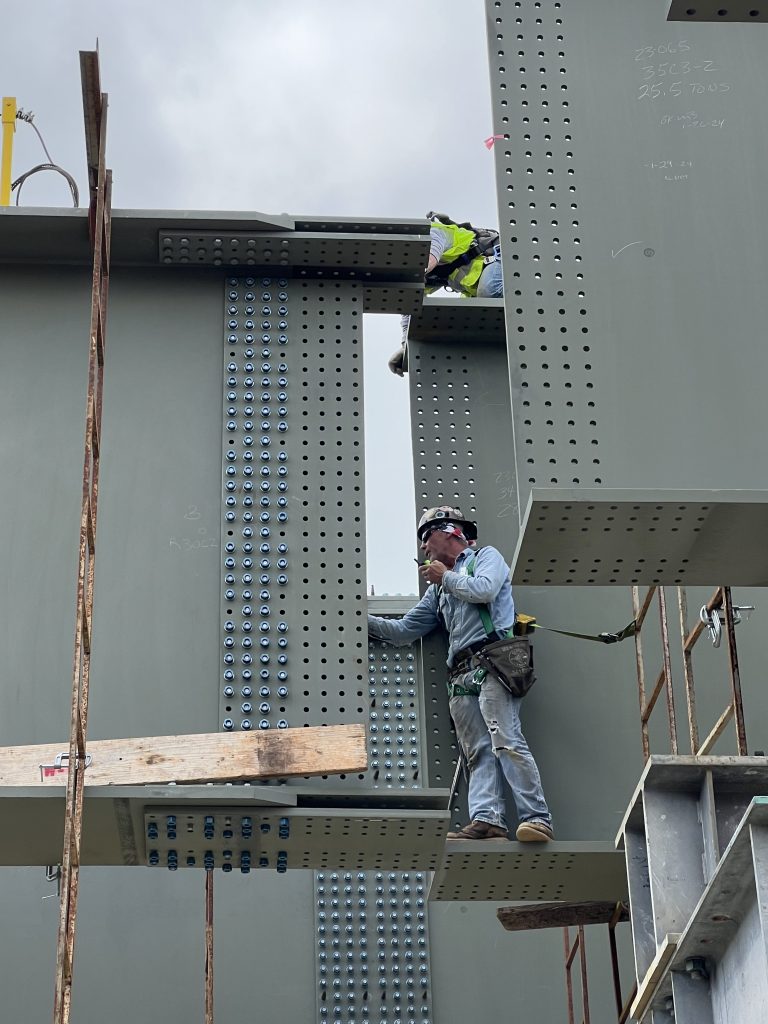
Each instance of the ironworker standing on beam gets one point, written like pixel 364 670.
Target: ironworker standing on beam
pixel 461 257
pixel 489 670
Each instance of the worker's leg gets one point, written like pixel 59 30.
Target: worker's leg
pixel 501 713
pixel 491 284
pixel 486 790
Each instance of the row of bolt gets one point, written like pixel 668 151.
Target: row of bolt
pixel 209 826
pixel 209 861
pixel 232 472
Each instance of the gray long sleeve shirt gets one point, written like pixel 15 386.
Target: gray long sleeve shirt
pixel 457 602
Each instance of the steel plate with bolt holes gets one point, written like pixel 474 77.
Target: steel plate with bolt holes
pixel 293 641
pixel 338 256
pixel 633 537
pixel 456 320
pixel 718 10
pixel 117 829
pixel 394 297
pixel 392 840
pixel 496 870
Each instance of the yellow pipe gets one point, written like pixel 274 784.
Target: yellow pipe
pixel 9 127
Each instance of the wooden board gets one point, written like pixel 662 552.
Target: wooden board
pixel 561 915
pixel 654 976
pixel 207 757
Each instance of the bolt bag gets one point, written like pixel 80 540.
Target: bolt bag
pixel 511 661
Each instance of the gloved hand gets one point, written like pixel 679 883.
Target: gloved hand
pixel 396 360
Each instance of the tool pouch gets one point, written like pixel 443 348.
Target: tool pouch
pixel 511 661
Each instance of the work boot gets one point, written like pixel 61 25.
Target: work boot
pixel 534 832
pixel 480 830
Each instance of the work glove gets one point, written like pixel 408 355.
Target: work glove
pixel 396 361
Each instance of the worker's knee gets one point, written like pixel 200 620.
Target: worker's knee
pixel 503 746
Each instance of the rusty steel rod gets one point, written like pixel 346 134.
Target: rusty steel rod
pixel 733 668
pixel 640 665
pixel 209 947
pixel 569 955
pixel 690 693
pixel 642 610
pixel 657 688
pixel 584 983
pixel 715 732
pixel 667 670
pixel 100 179
pixel 617 915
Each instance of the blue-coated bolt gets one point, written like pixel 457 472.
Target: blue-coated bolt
pixel 265 826
pixel 154 857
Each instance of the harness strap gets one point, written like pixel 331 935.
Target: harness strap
pixel 456 690
pixel 603 638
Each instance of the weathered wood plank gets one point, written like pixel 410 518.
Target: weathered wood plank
pixel 559 915
pixel 654 976
pixel 207 757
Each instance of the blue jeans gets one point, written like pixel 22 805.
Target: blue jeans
pixel 491 284
pixel 488 729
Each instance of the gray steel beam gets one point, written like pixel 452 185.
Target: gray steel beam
pixel 630 537
pixel 717 11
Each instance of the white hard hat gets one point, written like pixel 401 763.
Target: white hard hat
pixel 443 514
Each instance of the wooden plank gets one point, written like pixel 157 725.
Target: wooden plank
pixel 560 915
pixel 207 757
pixel 654 976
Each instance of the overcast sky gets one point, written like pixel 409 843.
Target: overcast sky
pixel 348 107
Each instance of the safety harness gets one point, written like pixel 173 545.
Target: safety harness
pixel 483 244
pixel 524 625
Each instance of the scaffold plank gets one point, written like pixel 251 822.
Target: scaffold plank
pixel 561 915
pixel 206 757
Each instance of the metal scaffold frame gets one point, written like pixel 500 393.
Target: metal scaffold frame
pixel 720 600
pixel 100 188
pixel 613 916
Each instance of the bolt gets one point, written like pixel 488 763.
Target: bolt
pixel 696 967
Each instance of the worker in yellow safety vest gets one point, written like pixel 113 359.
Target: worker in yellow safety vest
pixel 463 259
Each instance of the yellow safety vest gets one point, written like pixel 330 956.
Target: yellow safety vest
pixel 465 277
